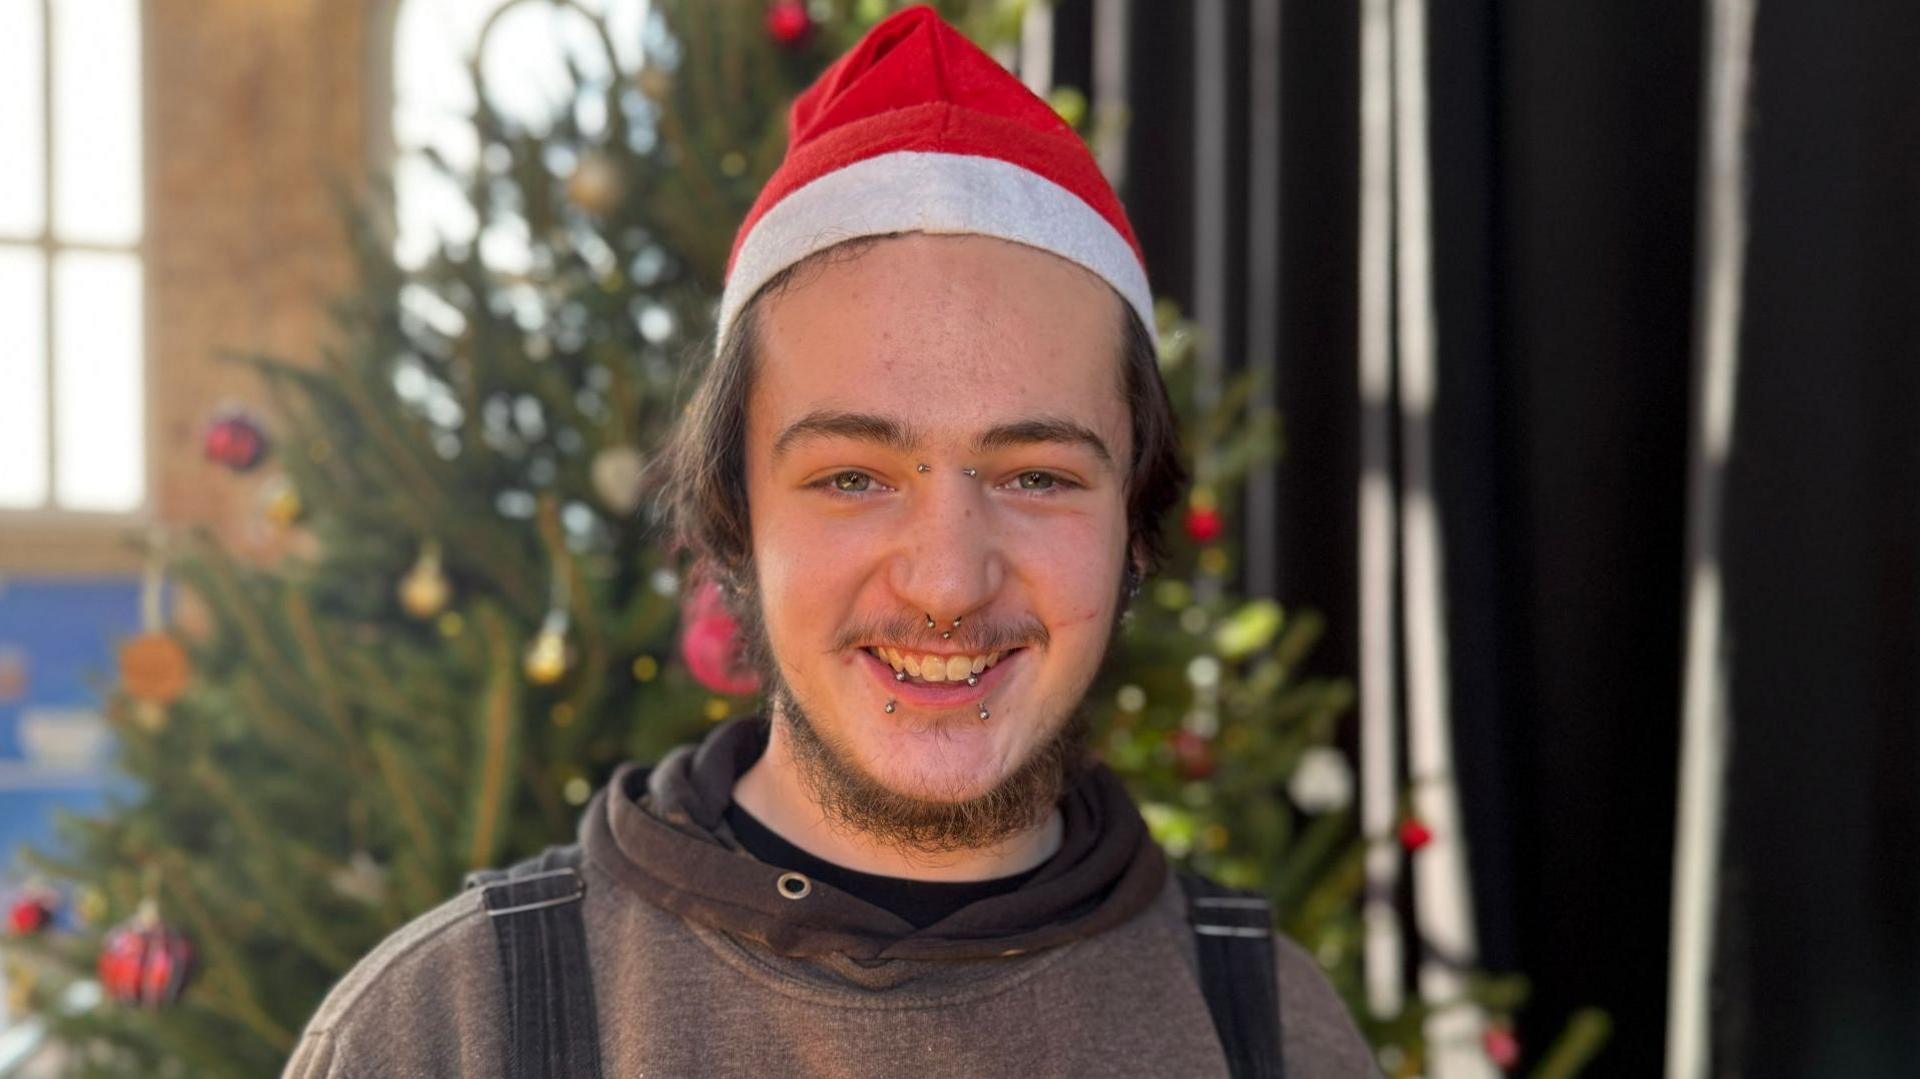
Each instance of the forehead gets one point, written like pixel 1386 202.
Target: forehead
pixel 951 334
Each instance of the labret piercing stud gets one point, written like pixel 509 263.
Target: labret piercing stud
pixel 984 714
pixel 889 707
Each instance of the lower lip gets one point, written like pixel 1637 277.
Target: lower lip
pixel 937 696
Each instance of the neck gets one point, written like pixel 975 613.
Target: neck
pixel 774 793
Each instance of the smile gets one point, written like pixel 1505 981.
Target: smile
pixel 934 667
pixel 930 688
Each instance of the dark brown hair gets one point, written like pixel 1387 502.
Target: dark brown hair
pixel 703 476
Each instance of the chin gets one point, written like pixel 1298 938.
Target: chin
pixel 948 762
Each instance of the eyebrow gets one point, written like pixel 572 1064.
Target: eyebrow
pixel 898 436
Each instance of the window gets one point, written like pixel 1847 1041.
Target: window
pixel 528 44
pixel 72 384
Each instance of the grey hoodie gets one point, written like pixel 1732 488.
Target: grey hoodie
pixel 702 967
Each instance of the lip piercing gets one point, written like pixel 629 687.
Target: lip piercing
pixel 984 715
pixel 973 679
pixel 899 676
pixel 929 621
pixel 889 706
pixel 922 468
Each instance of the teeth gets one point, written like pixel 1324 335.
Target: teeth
pixel 932 668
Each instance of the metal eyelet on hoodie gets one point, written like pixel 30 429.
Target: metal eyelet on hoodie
pixel 793 885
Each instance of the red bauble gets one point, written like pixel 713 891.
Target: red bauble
pixel 789 25
pixel 1193 756
pixel 711 644
pixel 145 962
pixel 30 915
pixel 1415 834
pixel 1501 1046
pixel 235 441
pixel 1204 525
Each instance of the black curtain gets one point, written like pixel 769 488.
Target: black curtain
pixel 1820 942
pixel 1565 149
pixel 1566 172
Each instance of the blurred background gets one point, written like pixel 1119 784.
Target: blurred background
pixel 1542 629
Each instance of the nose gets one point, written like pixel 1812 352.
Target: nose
pixel 950 561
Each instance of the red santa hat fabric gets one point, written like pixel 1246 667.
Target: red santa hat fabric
pixel 917 130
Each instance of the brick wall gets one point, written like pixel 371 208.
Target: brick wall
pixel 254 110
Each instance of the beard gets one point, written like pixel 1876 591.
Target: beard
pixel 851 798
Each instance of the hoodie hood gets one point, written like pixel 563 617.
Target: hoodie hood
pixel 660 833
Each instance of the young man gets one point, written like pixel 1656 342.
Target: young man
pixel 928 466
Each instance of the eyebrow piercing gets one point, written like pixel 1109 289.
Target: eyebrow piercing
pixel 922 468
pixel 969 472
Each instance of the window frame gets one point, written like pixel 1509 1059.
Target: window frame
pixel 50 538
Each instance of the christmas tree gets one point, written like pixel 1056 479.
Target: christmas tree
pixel 487 620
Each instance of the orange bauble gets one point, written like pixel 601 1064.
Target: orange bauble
pixel 154 669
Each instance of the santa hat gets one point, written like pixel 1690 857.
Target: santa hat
pixel 917 130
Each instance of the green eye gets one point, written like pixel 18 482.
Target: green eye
pixel 852 483
pixel 1036 481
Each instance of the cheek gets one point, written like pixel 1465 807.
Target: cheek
pixel 806 573
pixel 1074 576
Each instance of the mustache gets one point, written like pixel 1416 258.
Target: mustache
pixel 972 636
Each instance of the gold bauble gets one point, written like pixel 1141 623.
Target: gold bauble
pixel 546 659
pixel 282 503
pixel 92 907
pixel 424 591
pixel 598 185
